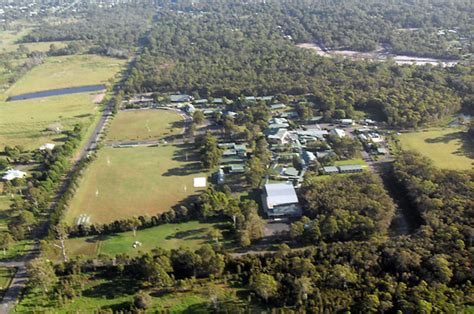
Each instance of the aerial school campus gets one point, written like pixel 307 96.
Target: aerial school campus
pixel 136 189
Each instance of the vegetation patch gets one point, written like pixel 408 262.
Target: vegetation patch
pixel 189 235
pixel 126 182
pixel 139 125
pixel 449 148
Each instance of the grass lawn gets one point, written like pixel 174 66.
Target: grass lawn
pixel 25 122
pixel 126 182
pixel 67 71
pixel 6 274
pixel 190 235
pixel 17 250
pixel 449 148
pixel 100 294
pixel 139 125
pixel 350 162
pixel 4 209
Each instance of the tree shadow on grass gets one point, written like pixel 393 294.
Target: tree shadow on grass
pixel 112 289
pixel 185 170
pixel 467 145
pixel 186 234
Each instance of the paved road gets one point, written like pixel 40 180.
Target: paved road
pixel 19 280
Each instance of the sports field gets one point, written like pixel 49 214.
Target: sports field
pixel 191 235
pixel 449 148
pixel 126 182
pixel 67 71
pixel 142 125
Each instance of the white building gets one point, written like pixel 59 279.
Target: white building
pixel 47 146
pixel 338 132
pixel 13 174
pixel 280 199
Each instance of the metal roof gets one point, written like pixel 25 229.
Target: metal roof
pixel 280 194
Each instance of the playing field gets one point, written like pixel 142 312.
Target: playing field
pixel 67 71
pixel 126 182
pixel 449 148
pixel 191 235
pixel 141 125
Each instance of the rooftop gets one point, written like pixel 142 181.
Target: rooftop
pixel 280 194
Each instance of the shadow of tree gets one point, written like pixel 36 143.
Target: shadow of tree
pixel 467 144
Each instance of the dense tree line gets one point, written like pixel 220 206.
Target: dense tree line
pixel 110 31
pixel 355 207
pixel 233 50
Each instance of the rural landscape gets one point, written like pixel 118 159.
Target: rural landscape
pixel 236 156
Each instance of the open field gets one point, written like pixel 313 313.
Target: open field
pixel 449 148
pixel 67 71
pixel 190 235
pixel 124 182
pixel 139 125
pixel 25 122
pixel 9 38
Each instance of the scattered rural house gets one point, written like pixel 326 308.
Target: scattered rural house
pixel 233 149
pixel 237 168
pixel 278 123
pixel 13 174
pixel 220 176
pixel 311 134
pixel 350 168
pixel 210 112
pixel 382 151
pixel 330 170
pixel 338 132
pixel 368 122
pixel 277 136
pixel 200 101
pixel 230 114
pixel 290 172
pixel 250 98
pixel 308 156
pixel 280 200
pixel 47 146
pixel 189 108
pixel 180 98
pixel 347 121
pixel 265 98
pixel 325 153
pixel 289 114
pixel 314 120
pixel 375 137
pixel 277 107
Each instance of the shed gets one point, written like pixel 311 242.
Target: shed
pixel 350 168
